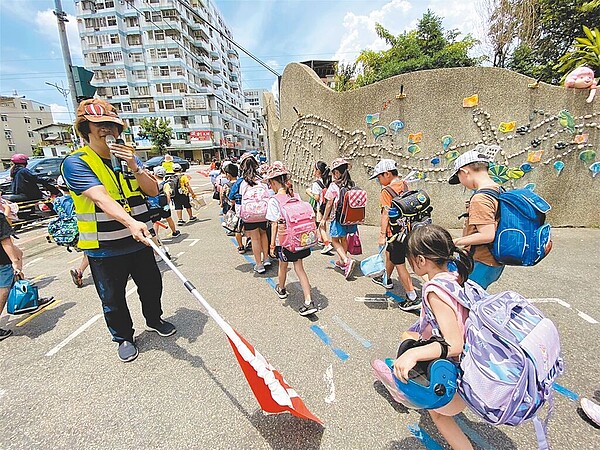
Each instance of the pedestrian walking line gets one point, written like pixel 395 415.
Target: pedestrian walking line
pixel 566 392
pixel 344 326
pixel 473 435
pixel 33 261
pixel 327 341
pixel 73 335
pixel 425 439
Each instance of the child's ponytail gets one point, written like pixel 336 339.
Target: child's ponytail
pixel 464 263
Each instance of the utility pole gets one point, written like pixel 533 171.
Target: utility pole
pixel 61 18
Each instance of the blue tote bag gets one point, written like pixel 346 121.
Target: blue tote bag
pixel 22 298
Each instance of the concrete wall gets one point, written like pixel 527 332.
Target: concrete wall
pixel 332 124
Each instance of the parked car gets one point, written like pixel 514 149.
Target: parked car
pixel 158 160
pixel 45 167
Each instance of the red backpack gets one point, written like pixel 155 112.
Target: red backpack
pixel 351 206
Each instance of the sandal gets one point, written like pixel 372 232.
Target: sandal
pixel 77 277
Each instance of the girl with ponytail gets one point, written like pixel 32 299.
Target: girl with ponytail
pixel 278 178
pixel 322 181
pixel 430 249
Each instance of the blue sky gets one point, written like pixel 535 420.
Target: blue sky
pixel 276 31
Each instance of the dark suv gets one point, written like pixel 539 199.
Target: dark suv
pixel 45 167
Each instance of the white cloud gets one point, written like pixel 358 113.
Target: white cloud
pixel 47 26
pixel 60 113
pixel 360 33
pixel 275 89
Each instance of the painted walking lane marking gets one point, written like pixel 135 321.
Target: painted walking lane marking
pixel 73 335
pixel 328 377
pixel 566 392
pixel 328 342
pixel 426 440
pixel 473 435
pixel 33 261
pixel 37 313
pixel 344 326
pixel 561 302
pixel 194 241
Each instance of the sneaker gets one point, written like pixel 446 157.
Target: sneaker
pixel 259 268
pixel 230 233
pixel 388 284
pixel 193 219
pixel 175 233
pixel 241 250
pixel 267 263
pixel 180 222
pixel 127 351
pixel 327 250
pixel 339 265
pixel 281 292
pixel 410 305
pixel 77 277
pixel 45 301
pixel 248 244
pixel 5 333
pixel 349 268
pixel 591 409
pixel 306 310
pixel 163 328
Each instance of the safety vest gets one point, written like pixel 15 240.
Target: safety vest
pixel 96 228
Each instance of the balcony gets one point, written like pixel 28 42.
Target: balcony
pixel 234 85
pixel 217 81
pixel 216 67
pixel 214 55
pixel 232 53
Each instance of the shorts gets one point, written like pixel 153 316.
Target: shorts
pixel 397 252
pixel 284 255
pixel 181 201
pixel 485 275
pixel 250 226
pixel 7 276
pixel 337 230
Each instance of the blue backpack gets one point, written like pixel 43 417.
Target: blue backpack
pixel 63 229
pixel 523 236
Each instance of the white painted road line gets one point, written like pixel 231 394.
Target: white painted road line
pixel 73 335
pixel 372 299
pixel 179 254
pixel 130 291
pixel 33 261
pixel 581 314
pixel 328 377
pixel 194 241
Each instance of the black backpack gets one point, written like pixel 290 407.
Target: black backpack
pixel 414 210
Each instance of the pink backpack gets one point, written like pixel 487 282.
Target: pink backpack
pixel 300 230
pixel 254 204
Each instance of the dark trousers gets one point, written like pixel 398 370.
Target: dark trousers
pixel 110 277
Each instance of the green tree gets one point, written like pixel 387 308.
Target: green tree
pixel 429 46
pixel 531 36
pixel 158 131
pixel 344 77
pixel 586 52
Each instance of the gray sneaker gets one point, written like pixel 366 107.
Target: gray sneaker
pixel 127 351
pixel 259 268
pixel 306 310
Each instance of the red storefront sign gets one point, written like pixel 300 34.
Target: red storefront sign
pixel 201 135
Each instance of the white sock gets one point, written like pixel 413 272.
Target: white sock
pixel 411 295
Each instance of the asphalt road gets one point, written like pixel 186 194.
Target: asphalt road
pixel 62 386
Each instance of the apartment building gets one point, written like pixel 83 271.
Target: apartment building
pixel 160 58
pixel 255 109
pixel 20 117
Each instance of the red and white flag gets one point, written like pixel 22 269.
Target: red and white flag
pixel 271 390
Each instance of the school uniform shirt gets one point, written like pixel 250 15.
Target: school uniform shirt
pixel 385 198
pixel 482 211
pixel 317 191
pixel 274 215
pixel 332 195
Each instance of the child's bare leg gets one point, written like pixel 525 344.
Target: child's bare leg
pixel 451 431
pixel 282 274
pixel 340 250
pixel 238 238
pixel 405 278
pixel 264 244
pixel 301 273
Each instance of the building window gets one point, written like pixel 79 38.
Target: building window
pixel 42 108
pixel 12 147
pixel 126 107
pixel 123 90
pixel 111 21
pixel 23 105
pixel 27 120
pixel 30 134
pixel 39 121
pixel 4 118
pixel 136 57
pixel 114 39
pixel 143 90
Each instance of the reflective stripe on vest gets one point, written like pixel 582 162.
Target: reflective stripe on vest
pixel 96 228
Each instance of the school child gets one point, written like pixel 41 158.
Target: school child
pixel 164 187
pixel 278 179
pixel 181 191
pixel 386 173
pixel 65 209
pixel 317 193
pixel 471 170
pixel 256 231
pixel 341 179
pixel 430 249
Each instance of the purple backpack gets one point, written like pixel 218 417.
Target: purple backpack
pixel 510 359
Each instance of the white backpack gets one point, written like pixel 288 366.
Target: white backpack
pixel 254 204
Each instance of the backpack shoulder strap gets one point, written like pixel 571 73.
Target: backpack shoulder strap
pixel 390 191
pixel 489 191
pixel 321 184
